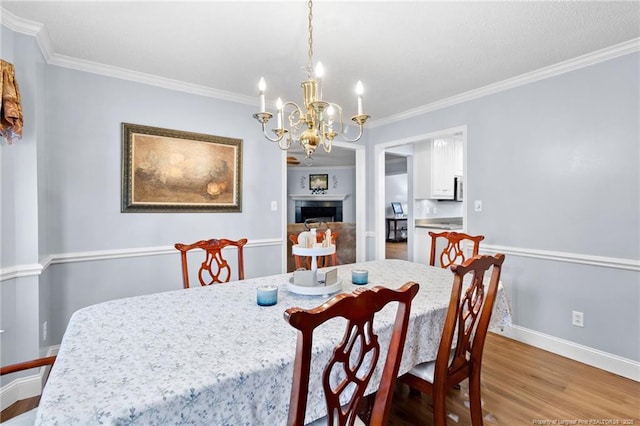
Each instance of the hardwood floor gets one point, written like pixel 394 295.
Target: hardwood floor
pixel 396 250
pixel 521 385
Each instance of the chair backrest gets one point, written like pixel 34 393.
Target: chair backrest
pixel 28 417
pixel 305 261
pixel 360 343
pixel 214 269
pixel 453 252
pixel 467 319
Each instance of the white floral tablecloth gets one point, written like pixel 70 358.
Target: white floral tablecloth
pixel 212 356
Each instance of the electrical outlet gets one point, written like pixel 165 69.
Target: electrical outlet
pixel 577 318
pixel 44 331
pixel 477 205
pixel 274 206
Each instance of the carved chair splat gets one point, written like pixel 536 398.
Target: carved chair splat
pixel 453 252
pixel 358 343
pixel 214 269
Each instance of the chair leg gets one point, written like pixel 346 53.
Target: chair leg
pixel 475 399
pixel 439 407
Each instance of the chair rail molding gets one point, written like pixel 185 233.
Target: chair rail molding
pixel 584 259
pixel 28 270
pixel 19 271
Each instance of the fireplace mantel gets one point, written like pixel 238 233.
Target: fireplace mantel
pixel 320 197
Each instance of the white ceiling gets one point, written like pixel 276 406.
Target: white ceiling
pixel 408 54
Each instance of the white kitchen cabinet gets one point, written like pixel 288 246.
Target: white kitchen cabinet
pixel 458 158
pixel 436 163
pixel 442 168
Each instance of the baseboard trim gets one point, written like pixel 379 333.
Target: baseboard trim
pixel 605 361
pixel 18 389
pixel 25 387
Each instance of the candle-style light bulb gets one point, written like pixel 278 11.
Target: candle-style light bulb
pixel 319 72
pixel 331 112
pixel 359 91
pixel 262 85
pixel 279 107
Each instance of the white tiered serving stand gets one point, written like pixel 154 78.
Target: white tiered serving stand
pixel 319 288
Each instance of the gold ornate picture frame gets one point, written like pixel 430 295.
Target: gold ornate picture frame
pixel 169 171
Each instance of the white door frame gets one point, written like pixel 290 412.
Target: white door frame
pixel 360 201
pixel 379 176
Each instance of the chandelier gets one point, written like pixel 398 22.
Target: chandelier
pixel 318 122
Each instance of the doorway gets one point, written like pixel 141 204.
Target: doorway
pixel 336 158
pixel 396 202
pixel 408 144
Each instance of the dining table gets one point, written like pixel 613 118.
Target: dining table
pixel 213 356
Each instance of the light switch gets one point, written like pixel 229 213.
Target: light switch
pixel 477 205
pixel 274 206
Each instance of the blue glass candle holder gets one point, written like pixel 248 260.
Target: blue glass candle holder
pixel 359 276
pixel 267 295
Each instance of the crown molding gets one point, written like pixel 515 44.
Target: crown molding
pixel 30 28
pixel 152 80
pixel 586 60
pixel 38 30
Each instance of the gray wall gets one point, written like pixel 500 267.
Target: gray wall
pixel 61 192
pixel 342 180
pixel 395 189
pixel 556 165
pixel 19 256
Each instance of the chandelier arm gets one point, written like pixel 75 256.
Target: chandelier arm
pixel 284 147
pixel 296 109
pixel 279 134
pixel 360 127
pixel 327 145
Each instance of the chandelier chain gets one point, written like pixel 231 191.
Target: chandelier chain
pixel 310 64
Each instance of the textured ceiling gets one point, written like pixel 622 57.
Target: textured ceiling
pixel 407 53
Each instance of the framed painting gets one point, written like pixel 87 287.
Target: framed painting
pixel 318 182
pixel 167 170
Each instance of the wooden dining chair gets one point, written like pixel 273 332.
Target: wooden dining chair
pixel 305 261
pixel 453 252
pixel 354 359
pixel 467 321
pixel 28 417
pixel 214 269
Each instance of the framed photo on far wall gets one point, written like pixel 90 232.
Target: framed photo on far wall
pixel 318 182
pixel 167 170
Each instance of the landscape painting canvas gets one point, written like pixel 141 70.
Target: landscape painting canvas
pixel 167 170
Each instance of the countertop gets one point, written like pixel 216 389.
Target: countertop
pixel 445 223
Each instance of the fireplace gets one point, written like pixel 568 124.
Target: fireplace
pixel 325 211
